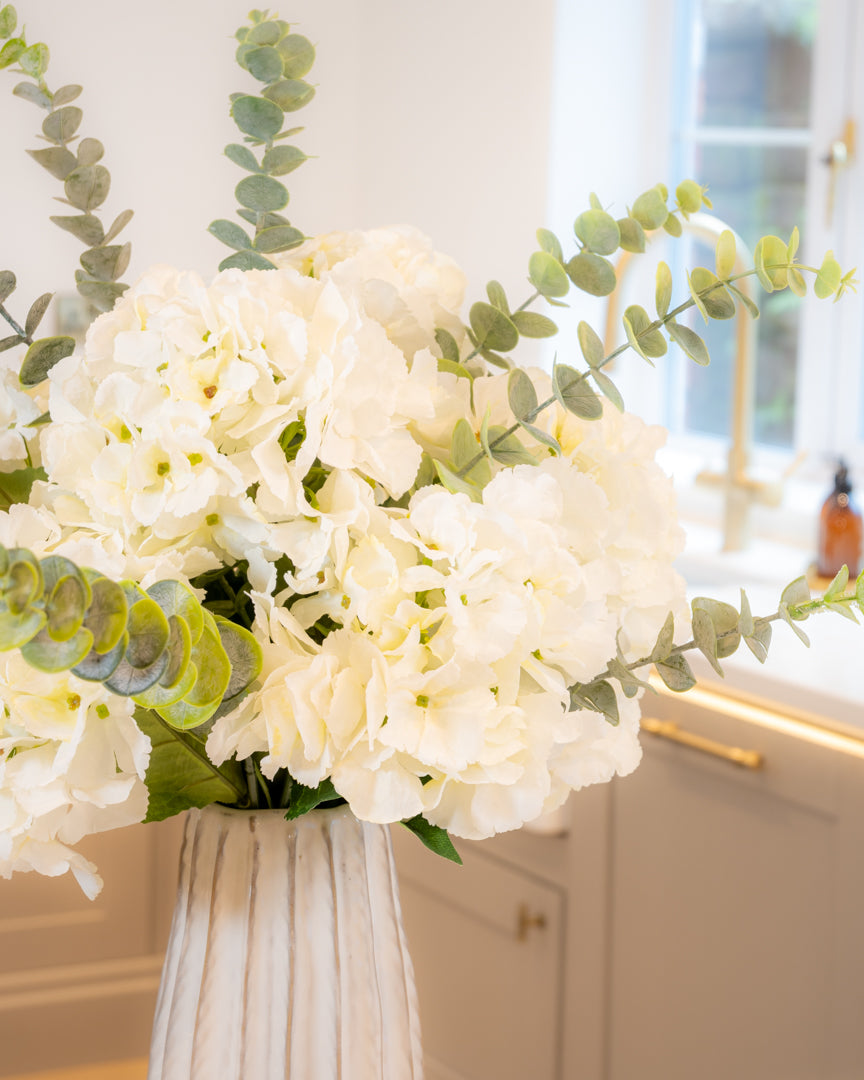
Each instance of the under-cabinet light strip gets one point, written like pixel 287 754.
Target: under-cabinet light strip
pixel 808 731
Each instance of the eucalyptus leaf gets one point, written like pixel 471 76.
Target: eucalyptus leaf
pixel 87 186
pixel 7 284
pixel 497 296
pixel 592 274
pixel 745 300
pixel 769 259
pixel 663 290
pixel 507 449
pixel 457 484
pixel 37 313
pixel 673 226
pixel 61 125
pixel 128 680
pixel 257 116
pixel 828 278
pixel 8 21
pixel 65 609
pixel 608 388
pixel 650 210
pixel 242 156
pixel 715 299
pixel 689 196
pixel 176 598
pixel 230 233
pixel 298 55
pixel 11 51
pixel 531 324
pixel 550 243
pixel 759 640
pixel 10 342
pixel 281 160
pixel 246 260
pixel 590 344
pixel 574 393
pixel 264 63
pixel 90 151
pixel 521 394
pixel 261 193
pixel 84 227
pixel 34 60
pixel 463 444
pixel 725 253
pixel 447 345
pixel 492 328
pixel 67 93
pixel 58 160
pixel 244 654
pixel 676 674
pixel 106 615
pixel 107 263
pixel 101 294
pixel 290 94
pixel 42 355
pixel 665 642
pixel 278 238
pixel 689 342
pixel 17 629
pixel 642 335
pixel 598 231
pixel 547 275
pixel 599 696
pixel 632 235
pixel 31 92
pixel 45 654
pixel 214 667
pixel 783 612
pixel 267 32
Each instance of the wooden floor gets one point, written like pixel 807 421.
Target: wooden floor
pixel 111 1070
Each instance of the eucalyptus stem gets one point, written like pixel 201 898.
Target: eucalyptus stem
pixel 19 330
pixel 251 782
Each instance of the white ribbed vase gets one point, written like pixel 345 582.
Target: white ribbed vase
pixel 287 957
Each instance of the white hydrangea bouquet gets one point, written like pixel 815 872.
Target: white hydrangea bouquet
pixel 302 535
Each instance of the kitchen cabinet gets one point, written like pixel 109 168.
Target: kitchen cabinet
pixel 711 915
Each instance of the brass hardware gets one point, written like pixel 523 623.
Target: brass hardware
pixel 668 729
pixel 840 156
pixel 526 920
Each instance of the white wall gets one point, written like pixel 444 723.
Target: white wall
pixel 434 114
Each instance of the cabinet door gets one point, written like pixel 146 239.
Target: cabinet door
pixel 487 946
pixel 735 939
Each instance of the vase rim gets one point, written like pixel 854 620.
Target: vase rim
pixel 218 810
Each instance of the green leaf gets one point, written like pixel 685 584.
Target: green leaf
pixel 244 655
pixel 8 21
pixel 783 612
pixel 87 186
pixel 107 614
pixel 84 227
pixel 829 276
pixel 52 656
pixel 298 55
pixel 745 300
pixel 769 259
pixel 256 116
pixel 261 193
pixel 180 775
pixel 90 151
pixel 521 394
pixel 725 253
pixel 65 609
pixel 7 284
pixel 506 449
pixel 724 619
pixel 547 275
pixel 457 484
pixel 36 313
pixel 34 61
pixel 492 328
pixel 56 159
pixel 796 592
pixel 281 160
pixel 648 342
pixel 433 837
pixel 9 343
pixel 590 344
pixel 650 210
pixel 838 584
pixel 497 296
pixel 230 233
pixel 67 93
pixel 278 238
pixel 11 51
pixel 447 345
pixel 290 94
pixel 608 388
pixel 267 32
pixel 42 355
pixel 665 640
pixel 759 641
pixel 159 695
pixel 550 243
pixel 61 125
pixel 107 263
pixel 632 235
pixel 689 342
pixel 148 633
pixel 573 392
pixel 533 325
pixel 714 300
pixel 246 260
pixel 101 294
pixel 463 444
pixel 17 629
pixel 598 231
pixel 676 674
pixel 242 156
pixel 673 226
pixel 304 799
pixel 127 681
pixel 689 196
pixel 541 436
pixel 264 63
pixel 214 667
pixel 797 282
pixel 32 93
pixel 15 486
pixel 599 696
pixel 592 274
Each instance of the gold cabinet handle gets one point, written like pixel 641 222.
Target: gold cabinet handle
pixel 526 920
pixel 668 729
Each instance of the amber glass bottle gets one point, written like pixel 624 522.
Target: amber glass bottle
pixel 839 529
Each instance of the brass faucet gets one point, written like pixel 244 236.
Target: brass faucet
pixel 740 488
